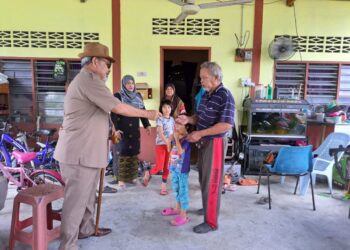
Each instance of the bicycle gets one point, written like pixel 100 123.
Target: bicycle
pixel 44 157
pixel 23 175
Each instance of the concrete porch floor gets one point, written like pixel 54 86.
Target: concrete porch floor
pixel 134 214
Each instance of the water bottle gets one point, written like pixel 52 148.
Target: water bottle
pixel 269 92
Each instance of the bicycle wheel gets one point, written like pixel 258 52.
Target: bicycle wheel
pixel 42 177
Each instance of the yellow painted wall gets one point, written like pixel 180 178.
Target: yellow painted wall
pixel 314 18
pixel 62 15
pixel 141 49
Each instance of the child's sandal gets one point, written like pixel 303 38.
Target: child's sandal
pixel 170 211
pixel 178 221
pixel 163 192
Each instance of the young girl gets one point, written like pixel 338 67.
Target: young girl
pixel 179 167
pixel 165 130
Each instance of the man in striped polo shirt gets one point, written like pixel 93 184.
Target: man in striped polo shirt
pixel 215 116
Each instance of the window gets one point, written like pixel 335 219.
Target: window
pixel 290 81
pixel 322 83
pixel 34 91
pixel 344 85
pixel 318 83
pixel 19 74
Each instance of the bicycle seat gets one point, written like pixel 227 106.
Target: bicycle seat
pixel 46 132
pixel 23 157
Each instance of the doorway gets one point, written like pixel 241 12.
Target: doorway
pixel 180 66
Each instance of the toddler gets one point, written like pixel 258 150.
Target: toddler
pixel 179 167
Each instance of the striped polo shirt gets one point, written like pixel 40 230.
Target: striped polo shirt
pixel 219 106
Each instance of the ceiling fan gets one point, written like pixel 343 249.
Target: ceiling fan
pixel 189 7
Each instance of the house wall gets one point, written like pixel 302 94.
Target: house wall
pixel 141 49
pixel 55 16
pixel 314 18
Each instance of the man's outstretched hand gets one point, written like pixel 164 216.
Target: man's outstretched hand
pixel 153 114
pixel 182 119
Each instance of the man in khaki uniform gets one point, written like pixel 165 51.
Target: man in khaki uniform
pixel 82 146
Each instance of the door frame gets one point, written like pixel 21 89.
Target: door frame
pixel 161 58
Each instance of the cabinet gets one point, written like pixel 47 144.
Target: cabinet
pixel 272 124
pixel 318 131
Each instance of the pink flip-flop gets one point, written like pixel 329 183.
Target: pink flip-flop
pixel 178 221
pixel 170 211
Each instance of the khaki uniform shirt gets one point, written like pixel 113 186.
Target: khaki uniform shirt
pixel 83 137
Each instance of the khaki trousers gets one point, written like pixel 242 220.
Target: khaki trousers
pixel 79 203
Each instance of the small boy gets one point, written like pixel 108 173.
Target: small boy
pixel 179 167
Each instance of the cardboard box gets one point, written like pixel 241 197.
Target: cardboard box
pixel 4 88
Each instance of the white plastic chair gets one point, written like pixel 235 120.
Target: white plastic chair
pixel 323 163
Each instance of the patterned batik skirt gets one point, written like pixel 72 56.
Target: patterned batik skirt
pixel 128 168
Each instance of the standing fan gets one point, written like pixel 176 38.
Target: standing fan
pixel 281 48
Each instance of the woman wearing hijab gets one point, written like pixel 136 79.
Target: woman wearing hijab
pixel 177 105
pixel 129 146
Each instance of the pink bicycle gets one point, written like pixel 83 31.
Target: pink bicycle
pixel 24 175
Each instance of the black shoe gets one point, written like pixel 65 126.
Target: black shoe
pixel 203 228
pixel 100 232
pixel 109 190
pixel 114 182
pixel 200 211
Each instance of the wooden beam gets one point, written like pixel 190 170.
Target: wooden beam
pixel 258 23
pixel 116 68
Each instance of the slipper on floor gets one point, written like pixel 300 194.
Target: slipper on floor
pixel 248 182
pixel 163 192
pixel 169 211
pixel 178 221
pixel 230 187
pixel 109 190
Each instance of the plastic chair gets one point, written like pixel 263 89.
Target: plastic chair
pixel 290 161
pixel 43 230
pixel 323 161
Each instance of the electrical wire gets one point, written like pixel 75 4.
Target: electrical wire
pixel 246 38
pixel 296 29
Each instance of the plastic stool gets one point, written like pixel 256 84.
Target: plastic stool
pixel 40 198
